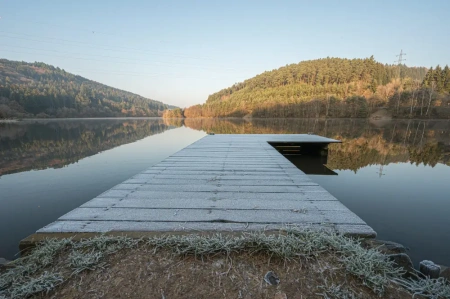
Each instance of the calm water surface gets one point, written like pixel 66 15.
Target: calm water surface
pixel 394 175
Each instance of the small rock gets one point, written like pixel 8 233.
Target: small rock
pixel 428 268
pixel 404 261
pixel 219 263
pixel 280 296
pixel 445 272
pixel 3 264
pixel 271 278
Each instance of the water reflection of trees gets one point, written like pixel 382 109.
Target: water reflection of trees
pixel 364 142
pixel 43 144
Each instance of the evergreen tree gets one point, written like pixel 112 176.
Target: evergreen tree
pixel 303 90
pixel 438 78
pixel 446 78
pixel 38 89
pixel 429 77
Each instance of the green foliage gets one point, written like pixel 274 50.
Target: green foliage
pixel 446 78
pixel 440 78
pixel 173 113
pixel 38 89
pixel 330 87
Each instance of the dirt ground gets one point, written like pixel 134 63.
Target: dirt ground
pixel 142 273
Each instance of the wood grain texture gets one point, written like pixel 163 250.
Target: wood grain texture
pixel 219 183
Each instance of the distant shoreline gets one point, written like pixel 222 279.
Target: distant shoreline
pixel 73 118
pixel 319 118
pixel 182 118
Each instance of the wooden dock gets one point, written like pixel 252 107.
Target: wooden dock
pixel 219 183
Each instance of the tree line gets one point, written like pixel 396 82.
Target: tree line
pixel 41 90
pixel 333 87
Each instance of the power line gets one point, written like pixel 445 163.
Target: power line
pixel 115 48
pixel 138 74
pixel 126 73
pixel 86 30
pixel 108 47
pixel 138 62
pixel 93 31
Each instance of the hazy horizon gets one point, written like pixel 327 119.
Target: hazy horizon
pixel 179 53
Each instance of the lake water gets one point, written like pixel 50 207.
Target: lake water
pixel 394 175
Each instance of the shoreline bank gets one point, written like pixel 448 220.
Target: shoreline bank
pixel 319 263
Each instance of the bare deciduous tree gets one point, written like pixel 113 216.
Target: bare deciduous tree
pixel 421 105
pixel 415 90
pixel 327 105
pixel 431 92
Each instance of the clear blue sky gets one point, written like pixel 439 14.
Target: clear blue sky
pixel 179 52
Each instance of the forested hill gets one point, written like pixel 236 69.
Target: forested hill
pixel 317 77
pixel 329 87
pixel 41 90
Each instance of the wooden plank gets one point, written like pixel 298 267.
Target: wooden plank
pixel 265 170
pixel 206 176
pixel 219 188
pixel 211 172
pixel 226 203
pixel 254 165
pixel 217 182
pixel 318 194
pixel 134 226
pixel 223 183
pixel 212 215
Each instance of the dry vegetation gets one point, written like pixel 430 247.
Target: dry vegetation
pixel 309 265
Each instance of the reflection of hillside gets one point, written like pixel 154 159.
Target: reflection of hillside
pixel 173 122
pixel 354 154
pixel 363 144
pixel 43 144
pixel 40 145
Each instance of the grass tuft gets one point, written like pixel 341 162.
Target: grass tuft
pixel 107 244
pixel 371 266
pixel 426 287
pixel 374 269
pixel 43 283
pixel 335 291
pixel 42 256
pixel 80 261
pixel 87 254
pixel 44 253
